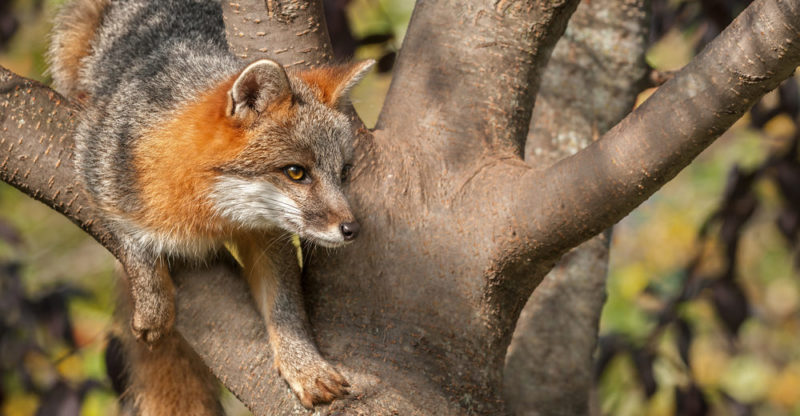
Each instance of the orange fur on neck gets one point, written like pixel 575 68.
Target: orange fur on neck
pixel 176 162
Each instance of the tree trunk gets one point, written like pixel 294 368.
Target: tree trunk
pixel 591 82
pixel 458 228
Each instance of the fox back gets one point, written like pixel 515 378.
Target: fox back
pixel 181 144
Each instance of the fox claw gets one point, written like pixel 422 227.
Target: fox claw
pixel 315 383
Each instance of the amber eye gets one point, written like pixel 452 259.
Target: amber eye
pixel 295 173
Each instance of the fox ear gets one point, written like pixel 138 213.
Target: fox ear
pixel 332 84
pixel 258 85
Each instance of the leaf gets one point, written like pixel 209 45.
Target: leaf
pixel 608 347
pixel 760 116
pixel 730 304
pixel 789 96
pixel 738 205
pixel 11 292
pixel 683 339
pixel 8 23
pixel 787 175
pixel 9 234
pixel 737 408
pixel 789 223
pixel 60 400
pixel 643 361
pixel 386 62
pixel 690 402
pixel 64 400
pixel 376 38
pixel 51 310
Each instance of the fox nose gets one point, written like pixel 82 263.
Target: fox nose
pixel 349 230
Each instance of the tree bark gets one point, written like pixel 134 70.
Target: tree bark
pixel 591 83
pixel 457 228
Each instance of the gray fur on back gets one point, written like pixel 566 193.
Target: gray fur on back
pixel 147 58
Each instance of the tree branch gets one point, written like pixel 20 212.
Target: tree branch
pixel 468 73
pixel 547 212
pixel 398 309
pixel 217 317
pixel 650 146
pixel 590 84
pixel 36 141
pixel 549 366
pixel 292 32
pixel 37 130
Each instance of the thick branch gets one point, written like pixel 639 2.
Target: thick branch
pixel 650 146
pixel 36 144
pixel 549 363
pixel 468 73
pixel 218 319
pixel 293 32
pixel 590 84
pixel 398 308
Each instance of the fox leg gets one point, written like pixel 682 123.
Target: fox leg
pixel 169 379
pixel 273 274
pixel 152 293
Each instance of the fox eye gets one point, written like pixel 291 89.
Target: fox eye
pixel 346 172
pixel 296 173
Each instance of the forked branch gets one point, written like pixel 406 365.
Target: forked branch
pixel 442 72
pixel 590 84
pixel 468 73
pixel 596 187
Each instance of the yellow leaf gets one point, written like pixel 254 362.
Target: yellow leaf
pixel 708 361
pixel 632 280
pixel 71 368
pixel 20 405
pixel 785 389
pixel 747 379
pixel 780 126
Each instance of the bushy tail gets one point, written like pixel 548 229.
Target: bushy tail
pixel 71 41
pixel 169 379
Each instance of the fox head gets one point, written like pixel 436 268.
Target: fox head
pixel 298 152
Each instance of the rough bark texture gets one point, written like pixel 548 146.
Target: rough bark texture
pixel 590 83
pixel 292 31
pixel 457 228
pixel 36 145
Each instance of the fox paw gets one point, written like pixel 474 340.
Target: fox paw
pixel 315 382
pixel 152 321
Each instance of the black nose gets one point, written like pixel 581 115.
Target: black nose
pixel 349 230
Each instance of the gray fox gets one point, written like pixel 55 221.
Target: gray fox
pixel 184 148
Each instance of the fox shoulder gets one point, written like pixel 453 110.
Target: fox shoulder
pixel 73 30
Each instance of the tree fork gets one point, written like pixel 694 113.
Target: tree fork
pixel 590 84
pixel 419 311
pixel 752 56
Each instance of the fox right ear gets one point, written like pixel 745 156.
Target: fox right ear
pixel 259 84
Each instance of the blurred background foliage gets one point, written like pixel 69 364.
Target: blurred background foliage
pixel 703 311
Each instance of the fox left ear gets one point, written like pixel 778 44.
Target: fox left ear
pixel 333 83
pixel 256 87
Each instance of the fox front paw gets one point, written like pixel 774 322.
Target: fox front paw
pixel 314 382
pixel 153 321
